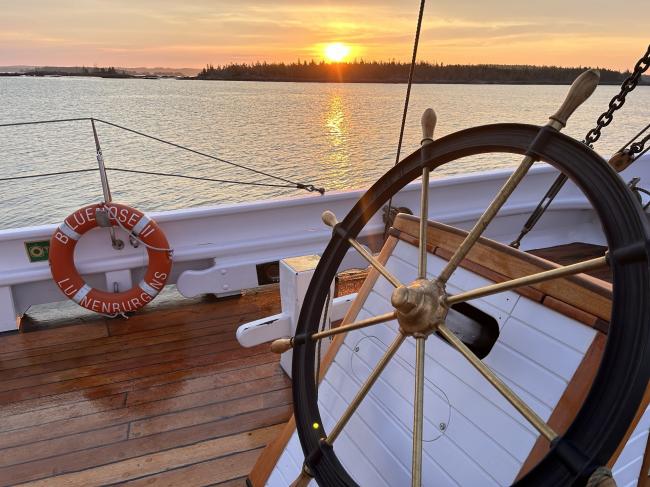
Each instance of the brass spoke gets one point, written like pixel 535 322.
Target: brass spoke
pixel 361 394
pixel 330 220
pixel 428 125
pixel 283 344
pixel 485 219
pixel 303 479
pixel 585 266
pixel 505 391
pixel 305 476
pixel 418 412
pixel 580 90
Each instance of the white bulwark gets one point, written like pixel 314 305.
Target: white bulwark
pixel 216 249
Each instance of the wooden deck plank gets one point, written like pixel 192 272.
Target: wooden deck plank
pixel 173 439
pixel 277 392
pixel 68 426
pixel 63 335
pixel 205 473
pixel 122 412
pixel 112 350
pixel 226 351
pixel 59 446
pixel 173 379
pixel 143 467
pixel 148 323
pixel 240 482
pixel 167 397
pixel 111 362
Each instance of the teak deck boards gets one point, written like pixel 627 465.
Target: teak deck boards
pixel 167 397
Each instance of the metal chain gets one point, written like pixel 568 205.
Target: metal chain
pixel 618 101
pixel 592 136
pixel 638 147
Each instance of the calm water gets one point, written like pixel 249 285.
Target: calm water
pixel 339 136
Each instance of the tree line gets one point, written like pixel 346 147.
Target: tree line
pixel 108 72
pixel 397 72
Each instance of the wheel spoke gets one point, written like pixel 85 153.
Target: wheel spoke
pixel 580 90
pixel 361 394
pixel 379 267
pixel 330 220
pixel 374 320
pixel 428 125
pixel 283 344
pixel 424 214
pixel 418 412
pixel 303 479
pixel 523 408
pixel 585 266
pixel 485 219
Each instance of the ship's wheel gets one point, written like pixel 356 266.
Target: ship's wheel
pixel 421 306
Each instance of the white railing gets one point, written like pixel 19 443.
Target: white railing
pixel 216 249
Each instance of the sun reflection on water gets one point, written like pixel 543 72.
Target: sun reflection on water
pixel 337 127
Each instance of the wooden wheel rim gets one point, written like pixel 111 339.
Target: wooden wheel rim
pixel 623 375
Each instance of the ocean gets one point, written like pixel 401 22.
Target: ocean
pixel 339 136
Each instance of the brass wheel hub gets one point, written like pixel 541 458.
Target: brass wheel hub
pixel 421 307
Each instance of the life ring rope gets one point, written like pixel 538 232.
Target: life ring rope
pixel 140 227
pixel 137 229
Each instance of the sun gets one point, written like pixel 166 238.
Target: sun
pixel 336 51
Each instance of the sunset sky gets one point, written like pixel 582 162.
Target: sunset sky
pixel 191 33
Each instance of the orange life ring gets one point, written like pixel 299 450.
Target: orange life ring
pixel 64 272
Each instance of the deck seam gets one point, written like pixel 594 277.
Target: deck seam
pixel 138 404
pixel 238 431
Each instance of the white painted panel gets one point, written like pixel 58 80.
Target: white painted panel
pixel 548 352
pixel 539 382
pixel 485 440
pixel 554 324
pixel 277 480
pixel 368 441
pixel 627 468
pixel 406 254
pixel 514 435
pixel 374 413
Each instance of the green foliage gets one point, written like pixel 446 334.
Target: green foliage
pixel 361 71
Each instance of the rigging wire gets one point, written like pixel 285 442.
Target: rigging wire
pixel 288 183
pixel 308 187
pixel 416 43
pixel 198 178
pixel 605 118
pixel 28 176
pixel 641 132
pixel 37 122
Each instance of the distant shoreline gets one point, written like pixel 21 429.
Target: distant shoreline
pixel 374 82
pixel 382 72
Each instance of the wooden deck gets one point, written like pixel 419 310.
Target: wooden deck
pixel 167 397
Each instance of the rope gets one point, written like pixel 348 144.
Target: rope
pixel 308 187
pixel 132 235
pixel 416 42
pixel 198 178
pixel 60 173
pixel 602 477
pixel 16 124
